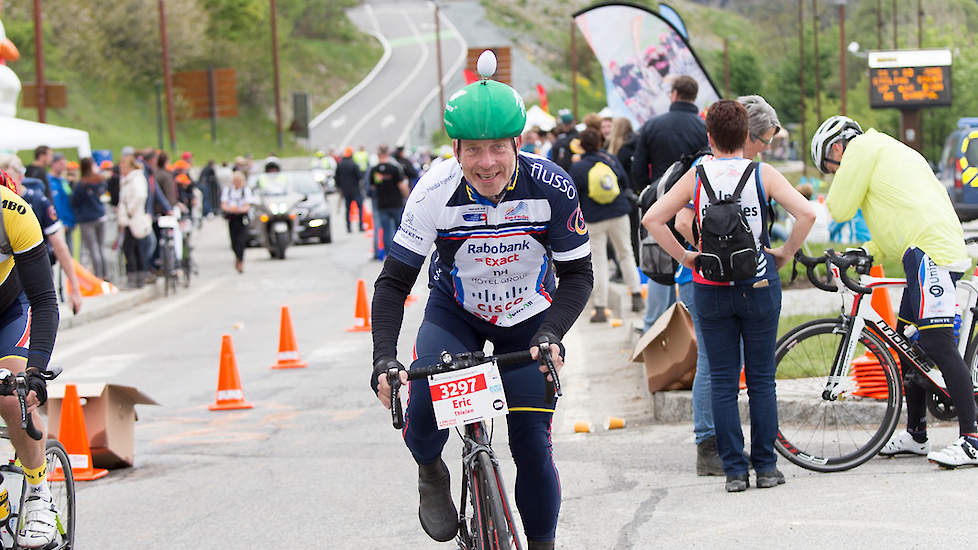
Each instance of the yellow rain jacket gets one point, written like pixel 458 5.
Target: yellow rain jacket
pixel 903 202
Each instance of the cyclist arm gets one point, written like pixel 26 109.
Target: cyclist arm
pixel 34 272
pixel 387 309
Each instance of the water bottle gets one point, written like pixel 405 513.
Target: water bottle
pixel 957 326
pixel 911 333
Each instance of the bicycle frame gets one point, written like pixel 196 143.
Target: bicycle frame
pixel 861 314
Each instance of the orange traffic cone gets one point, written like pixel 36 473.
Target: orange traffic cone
pixel 368 219
pixel 74 437
pixel 89 284
pixel 288 352
pixel 354 212
pixel 866 370
pixel 230 395
pixel 362 311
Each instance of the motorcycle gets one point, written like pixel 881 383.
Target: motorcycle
pixel 275 214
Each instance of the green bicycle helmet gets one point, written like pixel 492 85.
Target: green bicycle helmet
pixel 486 109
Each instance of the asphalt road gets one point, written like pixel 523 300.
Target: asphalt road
pixel 315 463
pixel 384 108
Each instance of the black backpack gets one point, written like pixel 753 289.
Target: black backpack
pixel 654 261
pixel 727 248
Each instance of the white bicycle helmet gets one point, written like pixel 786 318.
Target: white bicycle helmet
pixel 832 130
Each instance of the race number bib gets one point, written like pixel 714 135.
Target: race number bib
pixel 467 396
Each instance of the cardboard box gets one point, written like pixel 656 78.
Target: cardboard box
pixel 110 416
pixel 668 350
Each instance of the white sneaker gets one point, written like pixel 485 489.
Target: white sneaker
pixel 39 522
pixel 959 453
pixel 904 444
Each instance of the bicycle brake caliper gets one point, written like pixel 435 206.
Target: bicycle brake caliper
pixel 843 360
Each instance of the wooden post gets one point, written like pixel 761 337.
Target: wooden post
pixel 801 83
pixel 39 63
pixel 920 25
pixel 911 128
pixel 842 56
pixel 818 75
pixel 879 24
pixel 726 68
pixel 167 83
pixel 159 113
pixel 278 102
pixel 212 101
pixel 896 43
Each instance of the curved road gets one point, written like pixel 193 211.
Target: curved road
pixel 385 107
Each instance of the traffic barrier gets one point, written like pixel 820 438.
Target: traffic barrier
pixel 288 352
pixel 88 284
pixel 362 310
pixel 74 437
pixel 230 394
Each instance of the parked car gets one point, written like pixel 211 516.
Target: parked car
pixel 958 169
pixel 311 211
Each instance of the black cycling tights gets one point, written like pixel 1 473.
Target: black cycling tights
pixel 939 345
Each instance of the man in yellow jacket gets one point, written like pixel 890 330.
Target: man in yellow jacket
pixel 910 215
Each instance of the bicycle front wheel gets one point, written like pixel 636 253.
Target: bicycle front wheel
pixel 62 485
pixel 497 529
pixel 834 435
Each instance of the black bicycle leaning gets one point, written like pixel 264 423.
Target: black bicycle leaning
pixel 489 523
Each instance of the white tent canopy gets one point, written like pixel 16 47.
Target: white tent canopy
pixel 17 134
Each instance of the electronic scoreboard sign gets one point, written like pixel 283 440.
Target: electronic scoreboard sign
pixel 909 78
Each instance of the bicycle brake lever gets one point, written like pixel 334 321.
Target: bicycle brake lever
pixel 397 414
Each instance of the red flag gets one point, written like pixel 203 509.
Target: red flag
pixel 542 93
pixel 470 76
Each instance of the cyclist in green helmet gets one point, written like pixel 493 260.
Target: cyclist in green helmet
pixel 505 226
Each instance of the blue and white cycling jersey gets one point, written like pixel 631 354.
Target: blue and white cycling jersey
pixel 494 259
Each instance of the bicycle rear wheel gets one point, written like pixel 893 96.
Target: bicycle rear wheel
pixel 497 529
pixel 834 435
pixel 62 485
pixel 167 260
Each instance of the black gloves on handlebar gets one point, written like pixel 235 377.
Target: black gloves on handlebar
pixel 39 384
pixel 381 366
pixel 862 260
pixel 546 337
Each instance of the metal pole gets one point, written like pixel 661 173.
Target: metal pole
pixel 573 45
pixel 818 75
pixel 441 88
pixel 278 102
pixel 842 57
pixel 166 78
pixel 159 113
pixel 39 63
pixel 801 83
pixel 212 101
pixel 726 69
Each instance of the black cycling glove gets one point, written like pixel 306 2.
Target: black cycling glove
pixel 545 337
pixel 39 384
pixel 381 366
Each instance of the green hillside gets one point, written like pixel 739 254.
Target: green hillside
pixel 764 53
pixel 108 54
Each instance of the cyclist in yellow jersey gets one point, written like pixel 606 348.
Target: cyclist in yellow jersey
pixel 909 215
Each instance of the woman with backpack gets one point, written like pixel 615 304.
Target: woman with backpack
pixel 738 291
pixel 603 190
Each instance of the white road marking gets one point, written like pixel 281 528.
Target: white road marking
pixel 395 93
pixel 338 121
pixel 60 355
pixel 387 121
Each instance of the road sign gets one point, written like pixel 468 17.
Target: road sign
pixel 504 63
pixel 55 95
pixel 910 78
pixel 195 89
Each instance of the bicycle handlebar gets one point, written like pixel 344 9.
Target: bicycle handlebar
pixel 453 362
pixel 861 262
pixel 19 386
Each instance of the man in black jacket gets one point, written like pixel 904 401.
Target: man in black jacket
pixel 348 178
pixel 566 133
pixel 667 137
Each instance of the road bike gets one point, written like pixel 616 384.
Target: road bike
pixel 840 388
pixel 169 225
pixel 488 524
pixel 60 479
pixel 188 266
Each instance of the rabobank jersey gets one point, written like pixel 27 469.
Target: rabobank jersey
pixel 724 175
pixel 494 259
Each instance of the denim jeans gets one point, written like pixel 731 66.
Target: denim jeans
pixel 659 299
pixel 390 218
pixel 728 314
pixel 702 392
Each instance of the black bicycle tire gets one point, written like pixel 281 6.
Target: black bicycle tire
pixel 496 534
pixel 166 261
pixel 187 266
pixel 54 450
pixel 793 451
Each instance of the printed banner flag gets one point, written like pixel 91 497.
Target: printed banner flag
pixel 672 16
pixel 640 52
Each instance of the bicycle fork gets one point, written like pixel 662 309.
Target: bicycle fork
pixel 843 358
